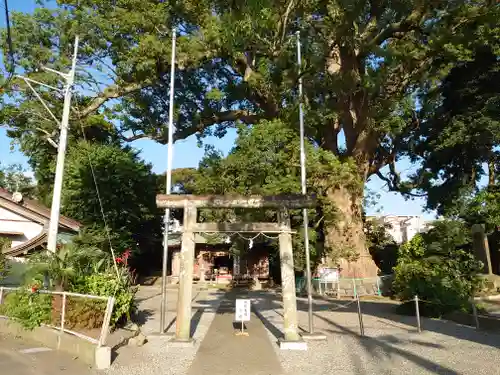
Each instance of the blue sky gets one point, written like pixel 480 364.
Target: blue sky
pixel 188 154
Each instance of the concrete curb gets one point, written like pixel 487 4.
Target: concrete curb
pixel 89 353
pixel 486 323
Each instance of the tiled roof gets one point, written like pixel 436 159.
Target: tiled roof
pixel 24 248
pixel 35 211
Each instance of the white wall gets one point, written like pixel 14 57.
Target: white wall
pixel 404 228
pixel 12 222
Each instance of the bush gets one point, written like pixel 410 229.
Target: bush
pixel 28 309
pixel 107 284
pixel 438 267
pixel 81 268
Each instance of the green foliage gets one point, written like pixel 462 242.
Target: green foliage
pixel 457 141
pixel 28 309
pixel 107 284
pixel 484 208
pixel 438 267
pixel 4 264
pixel 127 189
pixel 5 243
pixel 14 179
pixel 86 270
pixel 61 266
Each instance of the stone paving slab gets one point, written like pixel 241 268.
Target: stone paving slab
pixel 222 352
pixel 21 357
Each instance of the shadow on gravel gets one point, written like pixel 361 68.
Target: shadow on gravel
pixel 380 347
pixel 374 346
pixel 142 316
pixel 386 312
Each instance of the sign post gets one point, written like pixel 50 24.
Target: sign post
pixel 242 314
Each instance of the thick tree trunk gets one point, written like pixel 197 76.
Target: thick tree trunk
pixel 345 236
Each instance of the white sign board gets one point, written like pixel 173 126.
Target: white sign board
pixel 329 275
pixel 242 310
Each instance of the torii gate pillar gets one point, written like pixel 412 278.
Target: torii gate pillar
pixel 183 321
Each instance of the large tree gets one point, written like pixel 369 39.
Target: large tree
pixel 236 64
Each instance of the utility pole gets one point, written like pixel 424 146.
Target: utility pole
pixel 63 140
pixel 170 150
pixel 310 335
pixel 61 153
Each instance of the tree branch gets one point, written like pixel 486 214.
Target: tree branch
pixel 491 171
pixel 386 156
pixel 398 81
pixel 244 64
pixel 233 115
pixel 48 137
pixel 136 137
pixel 371 38
pixel 210 119
pixel 111 92
pixel 284 21
pixel 375 12
pixel 204 122
pixel 394 183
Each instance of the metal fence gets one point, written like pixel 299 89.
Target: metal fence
pixel 347 287
pixel 417 302
pixel 61 320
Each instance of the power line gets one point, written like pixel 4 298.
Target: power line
pixel 9 34
pixel 10 54
pixel 99 198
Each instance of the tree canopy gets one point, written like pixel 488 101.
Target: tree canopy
pixel 458 138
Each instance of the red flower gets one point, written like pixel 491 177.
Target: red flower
pixel 125 256
pixel 34 288
pixel 118 260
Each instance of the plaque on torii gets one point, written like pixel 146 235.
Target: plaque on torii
pixel 191 203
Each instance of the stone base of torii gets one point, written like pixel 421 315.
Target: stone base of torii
pixel 190 204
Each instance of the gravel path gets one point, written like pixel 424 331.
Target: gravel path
pixel 391 345
pixel 158 356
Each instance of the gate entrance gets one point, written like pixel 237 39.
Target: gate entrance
pixel 191 203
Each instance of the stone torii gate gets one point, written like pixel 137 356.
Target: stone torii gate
pixel 191 203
